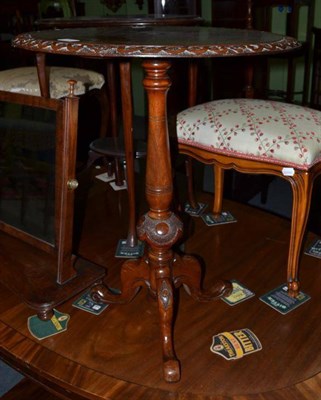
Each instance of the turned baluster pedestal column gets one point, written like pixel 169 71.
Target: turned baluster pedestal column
pixel 160 269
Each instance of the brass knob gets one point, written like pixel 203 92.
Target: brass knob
pixel 72 184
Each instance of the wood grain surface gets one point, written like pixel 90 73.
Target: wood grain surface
pixel 117 355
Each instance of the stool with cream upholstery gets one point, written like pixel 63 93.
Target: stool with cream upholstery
pixel 26 80
pixel 258 137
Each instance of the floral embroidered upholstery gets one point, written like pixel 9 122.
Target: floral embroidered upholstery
pixel 270 131
pixel 25 80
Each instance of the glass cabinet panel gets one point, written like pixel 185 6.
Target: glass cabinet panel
pixel 27 169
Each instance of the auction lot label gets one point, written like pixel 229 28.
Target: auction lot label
pixel 235 344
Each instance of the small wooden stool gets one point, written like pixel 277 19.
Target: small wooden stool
pixel 258 137
pixel 26 80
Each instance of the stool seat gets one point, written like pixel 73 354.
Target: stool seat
pixel 269 131
pixel 25 80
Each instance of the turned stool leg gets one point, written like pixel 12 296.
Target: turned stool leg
pixel 218 189
pixel 190 183
pixel 112 91
pixel 196 208
pixel 127 109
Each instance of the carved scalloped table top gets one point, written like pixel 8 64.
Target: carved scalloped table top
pixel 155 41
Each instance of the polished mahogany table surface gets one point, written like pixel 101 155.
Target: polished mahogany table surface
pixel 156 41
pixel 161 270
pixel 124 20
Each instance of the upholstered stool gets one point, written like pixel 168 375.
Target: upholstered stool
pixel 25 80
pixel 259 137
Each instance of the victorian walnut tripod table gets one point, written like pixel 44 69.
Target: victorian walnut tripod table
pixel 161 270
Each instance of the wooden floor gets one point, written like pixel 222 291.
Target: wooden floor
pixel 117 355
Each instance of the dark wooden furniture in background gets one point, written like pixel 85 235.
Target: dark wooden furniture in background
pixel 16 16
pixel 234 76
pixel 235 13
pixel 161 270
pixel 19 16
pixel 54 9
pixel 167 7
pixel 315 101
pixel 263 10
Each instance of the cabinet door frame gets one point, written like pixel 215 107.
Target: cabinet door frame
pixel 65 160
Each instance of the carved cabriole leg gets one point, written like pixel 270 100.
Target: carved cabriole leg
pixel 134 274
pixel 218 189
pixel 161 234
pixel 187 272
pixel 302 189
pixel 165 299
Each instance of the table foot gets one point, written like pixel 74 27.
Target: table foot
pixel 161 280
pixel 171 369
pixel 165 298
pixel 187 273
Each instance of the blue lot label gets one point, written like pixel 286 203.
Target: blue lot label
pixel 224 218
pixel 281 301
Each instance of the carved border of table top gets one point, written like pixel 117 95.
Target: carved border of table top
pixel 42 42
